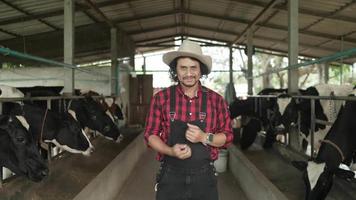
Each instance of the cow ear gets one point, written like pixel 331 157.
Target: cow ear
pixel 344 174
pixel 4 119
pixel 300 165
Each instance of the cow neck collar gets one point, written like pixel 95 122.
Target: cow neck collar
pixel 335 146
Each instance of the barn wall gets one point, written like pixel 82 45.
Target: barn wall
pixel 53 76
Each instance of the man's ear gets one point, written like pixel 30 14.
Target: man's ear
pixel 300 165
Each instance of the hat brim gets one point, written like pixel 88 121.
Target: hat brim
pixel 170 56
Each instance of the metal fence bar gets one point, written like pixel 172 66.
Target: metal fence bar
pixel 333 57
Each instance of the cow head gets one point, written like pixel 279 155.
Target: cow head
pixel 303 106
pixel 70 135
pixel 18 151
pixel 90 114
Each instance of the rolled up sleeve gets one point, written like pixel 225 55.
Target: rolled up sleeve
pixel 224 123
pixel 153 119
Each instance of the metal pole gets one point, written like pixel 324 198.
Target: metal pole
pixel 312 126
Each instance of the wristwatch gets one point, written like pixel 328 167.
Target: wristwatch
pixel 209 138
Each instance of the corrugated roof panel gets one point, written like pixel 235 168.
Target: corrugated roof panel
pixel 8 13
pixel 334 27
pixel 156 34
pixel 326 6
pixel 312 40
pixel 349 11
pixel 27 28
pixel 158 21
pixel 338 45
pixel 233 27
pixel 145 7
pixel 271 33
pixel 80 19
pixel 219 6
pixel 115 12
pixel 203 21
pixel 36 6
pixel 281 18
pixel 4 36
pixel 244 11
pixel 130 26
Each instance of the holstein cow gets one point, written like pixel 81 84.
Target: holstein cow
pixel 61 129
pixel 325 110
pixel 265 115
pixel 338 146
pixel 90 114
pixel 18 150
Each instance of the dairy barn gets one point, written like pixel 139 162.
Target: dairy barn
pixel 77 78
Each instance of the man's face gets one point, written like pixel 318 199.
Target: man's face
pixel 188 71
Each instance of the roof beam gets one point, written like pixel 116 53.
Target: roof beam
pixel 28 14
pixel 256 19
pixel 58 12
pixel 102 15
pixel 10 33
pixel 232 34
pixel 238 20
pixel 301 11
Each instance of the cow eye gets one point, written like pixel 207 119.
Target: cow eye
pixel 106 128
pixel 20 140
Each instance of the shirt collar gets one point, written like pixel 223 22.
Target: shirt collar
pixel 197 94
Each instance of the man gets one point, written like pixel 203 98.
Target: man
pixel 186 125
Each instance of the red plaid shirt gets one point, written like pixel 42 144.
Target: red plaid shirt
pixel 187 109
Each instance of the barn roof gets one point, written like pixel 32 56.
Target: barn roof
pixel 36 26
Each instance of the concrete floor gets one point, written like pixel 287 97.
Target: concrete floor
pixel 140 185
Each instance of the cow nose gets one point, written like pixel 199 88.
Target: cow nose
pixel 44 173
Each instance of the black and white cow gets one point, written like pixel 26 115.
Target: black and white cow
pixel 265 113
pixel 18 150
pixel 325 110
pixel 338 146
pixel 90 114
pixel 61 129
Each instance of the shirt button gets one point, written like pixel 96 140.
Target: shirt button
pixel 190 101
pixel 190 113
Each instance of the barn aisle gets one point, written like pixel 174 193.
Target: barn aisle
pixel 141 182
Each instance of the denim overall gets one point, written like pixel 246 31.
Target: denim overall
pixel 192 178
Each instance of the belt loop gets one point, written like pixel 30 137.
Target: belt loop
pixel 202 116
pixel 172 115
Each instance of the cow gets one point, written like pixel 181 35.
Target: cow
pixel 325 110
pixel 265 113
pixel 8 91
pixel 90 114
pixel 61 129
pixel 18 150
pixel 338 146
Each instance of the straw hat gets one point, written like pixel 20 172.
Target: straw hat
pixel 188 49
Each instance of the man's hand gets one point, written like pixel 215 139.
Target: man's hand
pixel 182 151
pixel 194 134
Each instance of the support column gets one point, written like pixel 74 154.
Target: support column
pixel 249 61
pixel 326 73
pixel 293 48
pixel 114 63
pixel 68 46
pixel 230 62
pixel 132 61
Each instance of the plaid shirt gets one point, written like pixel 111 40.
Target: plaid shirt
pixel 187 109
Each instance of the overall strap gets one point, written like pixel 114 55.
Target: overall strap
pixel 172 112
pixel 202 113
